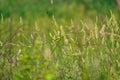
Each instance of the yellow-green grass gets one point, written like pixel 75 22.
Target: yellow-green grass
pixel 47 49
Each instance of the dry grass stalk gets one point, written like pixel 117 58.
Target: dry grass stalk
pixel 12 36
pixel 104 33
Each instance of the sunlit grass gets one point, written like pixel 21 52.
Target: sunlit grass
pixel 44 49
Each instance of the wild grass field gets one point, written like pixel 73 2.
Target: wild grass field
pixel 59 43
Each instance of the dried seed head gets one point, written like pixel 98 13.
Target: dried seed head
pixel 102 31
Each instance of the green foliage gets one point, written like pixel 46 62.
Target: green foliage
pixel 60 41
pixel 59 8
pixel 62 50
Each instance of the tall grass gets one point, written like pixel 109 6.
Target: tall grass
pixel 86 50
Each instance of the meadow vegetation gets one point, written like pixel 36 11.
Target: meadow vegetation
pixel 67 40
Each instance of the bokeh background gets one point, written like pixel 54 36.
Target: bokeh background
pixel 59 40
pixel 59 8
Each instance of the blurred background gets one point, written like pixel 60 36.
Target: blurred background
pixel 67 9
pixel 60 38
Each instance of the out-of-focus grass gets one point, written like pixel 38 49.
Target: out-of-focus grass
pixel 49 49
pixel 62 41
pixel 66 9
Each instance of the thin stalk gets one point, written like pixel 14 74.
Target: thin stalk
pixel 10 49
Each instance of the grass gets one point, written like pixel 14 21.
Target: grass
pixel 45 49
